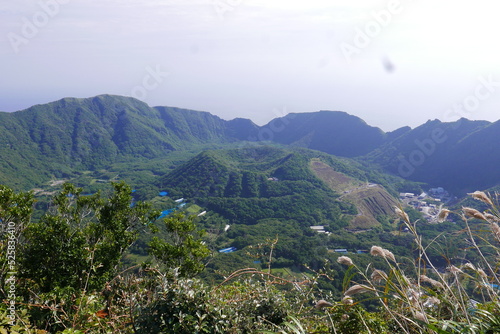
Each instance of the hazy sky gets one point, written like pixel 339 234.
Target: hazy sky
pixel 392 63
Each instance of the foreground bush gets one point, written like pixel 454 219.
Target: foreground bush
pixel 400 295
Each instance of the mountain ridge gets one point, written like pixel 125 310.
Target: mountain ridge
pixel 352 136
pixel 50 140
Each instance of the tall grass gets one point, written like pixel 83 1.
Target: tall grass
pixel 429 299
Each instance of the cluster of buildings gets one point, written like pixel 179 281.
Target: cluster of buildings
pixel 345 251
pixel 430 203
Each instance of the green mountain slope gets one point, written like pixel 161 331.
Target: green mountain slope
pixel 333 132
pixel 460 156
pixel 56 139
pixel 202 127
pixel 251 184
pixel 51 140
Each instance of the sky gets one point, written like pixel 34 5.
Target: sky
pixel 392 63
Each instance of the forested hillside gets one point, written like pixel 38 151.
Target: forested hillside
pixel 461 156
pixel 54 139
pixel 245 229
pixel 247 185
pixel 333 132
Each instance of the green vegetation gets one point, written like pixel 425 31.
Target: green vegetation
pixel 94 258
pixel 378 292
pixel 247 185
pixel 184 248
pixel 54 267
pixel 353 137
pixel 447 155
pixel 80 241
pixel 59 139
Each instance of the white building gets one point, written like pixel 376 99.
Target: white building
pixel 319 229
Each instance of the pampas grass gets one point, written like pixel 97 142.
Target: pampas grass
pixel 434 300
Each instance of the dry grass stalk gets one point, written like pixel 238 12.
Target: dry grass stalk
pixel 495 229
pixel 470 266
pixel 420 316
pixel 482 273
pixel 443 214
pixel 431 302
pixel 474 213
pixel 378 276
pixel 355 289
pixel 389 255
pixel 347 300
pixel 403 215
pixel 379 251
pixel 413 296
pixel 345 260
pixel 454 270
pixel 481 196
pixel 431 281
pixel 322 304
pixel 491 217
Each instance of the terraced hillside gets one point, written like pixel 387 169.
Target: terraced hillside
pixel 371 200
